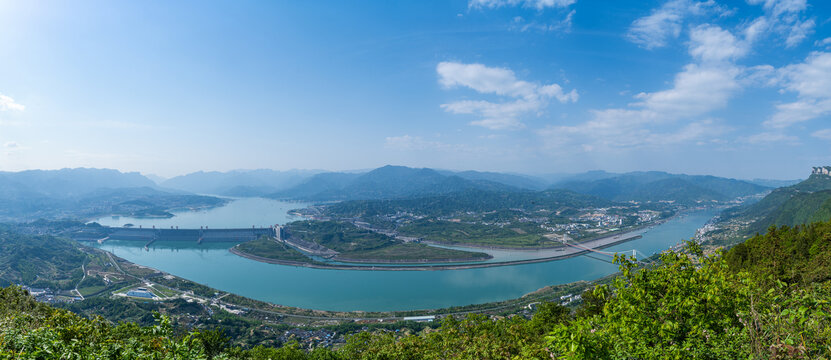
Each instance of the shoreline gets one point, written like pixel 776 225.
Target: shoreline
pixel 419 261
pixel 436 267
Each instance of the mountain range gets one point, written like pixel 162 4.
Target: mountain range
pixel 81 193
pixel 806 202
pixel 393 182
pixel 654 186
pixel 240 183
pixel 38 188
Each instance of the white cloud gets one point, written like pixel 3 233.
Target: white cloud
pixel 538 4
pixel 824 134
pixel 665 23
pixel 564 25
pixel 7 103
pixel 823 43
pixel 712 44
pixel 811 81
pixel 783 17
pixel 701 87
pixel 527 97
pixel 781 7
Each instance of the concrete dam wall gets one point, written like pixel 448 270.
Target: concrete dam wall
pixel 192 235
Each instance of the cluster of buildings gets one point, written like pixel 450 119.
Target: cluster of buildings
pixel 822 170
pixel 647 215
pixel 566 300
pixel 601 219
pixel 311 337
pixel 46 295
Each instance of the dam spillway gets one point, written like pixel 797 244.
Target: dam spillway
pixel 148 235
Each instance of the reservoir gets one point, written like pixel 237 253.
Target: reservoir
pixel 347 290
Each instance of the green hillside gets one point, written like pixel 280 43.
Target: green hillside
pixel 805 202
pixel 470 200
pixel 657 186
pixel 40 261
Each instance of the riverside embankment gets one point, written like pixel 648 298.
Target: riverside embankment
pixel 564 252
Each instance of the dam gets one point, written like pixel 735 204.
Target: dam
pixel 149 235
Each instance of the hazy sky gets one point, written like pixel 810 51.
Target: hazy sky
pixel 732 88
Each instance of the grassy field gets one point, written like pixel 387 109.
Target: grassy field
pixel 413 253
pixel 475 234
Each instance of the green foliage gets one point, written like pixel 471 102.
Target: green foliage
pixel 806 202
pixel 40 261
pixel 213 341
pixel 679 309
pixel 797 254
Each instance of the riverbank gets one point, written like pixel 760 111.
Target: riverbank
pixel 567 252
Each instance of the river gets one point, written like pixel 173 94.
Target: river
pixel 346 290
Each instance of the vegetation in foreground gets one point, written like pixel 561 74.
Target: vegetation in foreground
pixel 687 306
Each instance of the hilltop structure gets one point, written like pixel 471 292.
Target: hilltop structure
pixel 822 170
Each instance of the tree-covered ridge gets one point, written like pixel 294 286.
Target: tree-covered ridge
pixel 386 182
pixel 40 261
pixel 806 202
pixel 468 201
pixel 797 255
pixel 654 186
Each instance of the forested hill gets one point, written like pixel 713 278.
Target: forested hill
pixel 40 261
pixel 470 200
pixel 806 202
pixel 657 186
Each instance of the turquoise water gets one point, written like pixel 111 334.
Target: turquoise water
pixel 239 213
pixel 346 290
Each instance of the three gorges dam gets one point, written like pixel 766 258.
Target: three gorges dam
pixel 153 234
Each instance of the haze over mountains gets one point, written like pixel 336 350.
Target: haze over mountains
pixel 657 186
pixel 382 183
pixel 81 192
pixel 238 182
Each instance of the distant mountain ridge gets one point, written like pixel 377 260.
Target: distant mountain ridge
pixel 386 182
pixel 67 182
pixel 653 186
pixel 81 193
pixel 240 183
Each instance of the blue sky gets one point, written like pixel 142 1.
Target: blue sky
pixel 739 88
